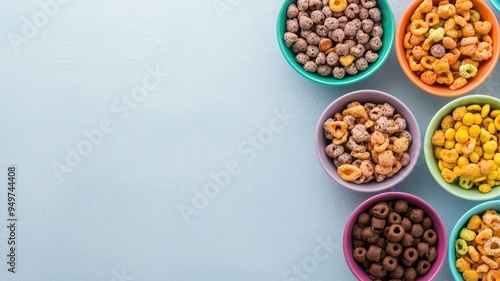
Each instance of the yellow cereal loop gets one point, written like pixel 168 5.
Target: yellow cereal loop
pixel 485 110
pixel 437 152
pixel 493 175
pixel 485 188
pixel 484 136
pixel 496 158
pixel 478 119
pixel 495 113
pixel 474 107
pixel 338 6
pixel 488 156
pixel 449 134
pixel 458 171
pixel 449 144
pixel 457 125
pixel 459 147
pixel 462 161
pixel 491 128
pixel 497 122
pixel 468 119
pixel 490 146
pixel 474 131
pixel 462 135
pixel 440 165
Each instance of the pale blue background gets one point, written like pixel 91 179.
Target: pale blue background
pixel 116 215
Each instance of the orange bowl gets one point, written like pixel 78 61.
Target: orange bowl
pixel 485 67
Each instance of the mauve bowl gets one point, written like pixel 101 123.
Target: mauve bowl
pixel 377 97
pixel 438 225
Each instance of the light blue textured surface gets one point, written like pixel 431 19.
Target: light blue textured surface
pixel 114 214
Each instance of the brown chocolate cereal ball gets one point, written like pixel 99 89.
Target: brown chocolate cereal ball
pixel 359 243
pixel 290 38
pixel 310 66
pixel 318 17
pixel 332 59
pixel 377 271
pixel 303 5
pixel 337 35
pixel 423 249
pixel 394 249
pixel 380 210
pixel 359 254
pixel 324 70
pixel 313 39
pixel 401 206
pixel 410 254
pixel 339 73
pixel 438 50
pixel 374 253
pixel 292 11
pixel 299 46
pixel 394 218
pixel 423 267
pixel 375 14
pixel 369 235
pixel 416 215
pixel 312 51
pixel 327 11
pixel 321 58
pixel 396 233
pixel 410 274
pixel 417 230
pixel 407 240
pixel 375 43
pixel 430 236
pixel 390 263
pixel 351 69
pixel 301 58
pixel 292 25
pixel 426 222
pixel 397 273
pixel 305 23
pixel 378 224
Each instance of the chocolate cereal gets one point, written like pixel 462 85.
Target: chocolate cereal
pixel 339 37
pixel 390 242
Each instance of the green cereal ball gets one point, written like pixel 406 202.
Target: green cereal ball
pixel 474 15
pixel 436 34
pixel 467 70
pixel 467 234
pixel 461 247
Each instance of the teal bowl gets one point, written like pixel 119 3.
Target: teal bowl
pixel 495 4
pixel 388 24
pixel 432 162
pixel 462 222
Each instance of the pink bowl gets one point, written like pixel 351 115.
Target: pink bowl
pixel 438 224
pixel 364 96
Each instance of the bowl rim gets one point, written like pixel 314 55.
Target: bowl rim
pixel 438 224
pixel 410 119
pixel 440 90
pixel 429 153
pixel 384 53
pixel 461 222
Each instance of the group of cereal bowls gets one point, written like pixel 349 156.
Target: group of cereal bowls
pixel 390 34
pixel 448 174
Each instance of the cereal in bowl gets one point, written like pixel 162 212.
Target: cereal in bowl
pixel 369 142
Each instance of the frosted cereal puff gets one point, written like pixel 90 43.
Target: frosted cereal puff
pixel 482 27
